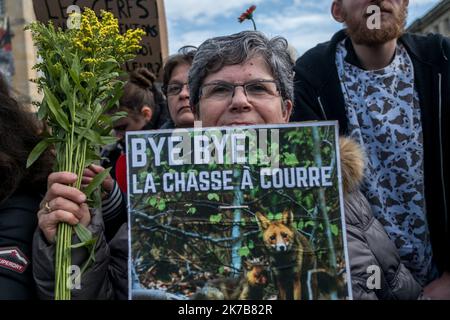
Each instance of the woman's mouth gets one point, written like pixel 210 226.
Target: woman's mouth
pixel 184 109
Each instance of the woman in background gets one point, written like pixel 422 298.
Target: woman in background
pixel 175 87
pixel 21 192
pixel 145 107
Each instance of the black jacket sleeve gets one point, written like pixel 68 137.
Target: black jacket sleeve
pixel 305 100
pixel 114 209
pixel 18 221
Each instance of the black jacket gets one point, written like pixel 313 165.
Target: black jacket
pixel 18 221
pixel 318 96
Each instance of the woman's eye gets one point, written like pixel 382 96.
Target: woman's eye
pixel 256 88
pixel 220 89
pixel 173 89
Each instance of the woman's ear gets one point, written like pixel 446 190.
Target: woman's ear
pixel 287 110
pixel 147 113
pixel 336 11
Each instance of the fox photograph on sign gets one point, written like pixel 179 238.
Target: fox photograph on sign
pixel 248 213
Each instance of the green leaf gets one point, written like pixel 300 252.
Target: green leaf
pixel 38 150
pixel 278 216
pixel 270 216
pixel 152 201
pixel 43 110
pixel 309 223
pixel 290 159
pixel 215 218
pixel 96 182
pixel 251 244
pixel 83 233
pixel 213 196
pixel 192 210
pixel 244 251
pixel 105 140
pixel 161 205
pixel 56 109
pixel 334 230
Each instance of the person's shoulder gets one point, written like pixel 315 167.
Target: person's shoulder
pixel 314 55
pixel 18 217
pixel 21 201
pixel 429 47
pixel 424 39
pixel 321 52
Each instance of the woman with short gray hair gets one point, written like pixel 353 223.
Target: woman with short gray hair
pixel 235 49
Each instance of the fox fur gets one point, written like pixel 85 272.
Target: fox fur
pixel 290 256
pixel 352 164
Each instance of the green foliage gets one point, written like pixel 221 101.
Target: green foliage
pixel 192 210
pixel 215 218
pixel 334 230
pixel 244 251
pixel 79 80
pixel 213 196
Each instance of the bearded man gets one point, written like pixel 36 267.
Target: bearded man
pixel 391 92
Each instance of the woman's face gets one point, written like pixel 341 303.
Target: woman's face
pixel 178 102
pixel 261 105
pixel 132 122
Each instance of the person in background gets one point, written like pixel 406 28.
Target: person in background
pixel 175 87
pixel 144 104
pixel 21 192
pixel 390 91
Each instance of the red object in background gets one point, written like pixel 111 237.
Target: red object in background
pixel 247 14
pixel 121 173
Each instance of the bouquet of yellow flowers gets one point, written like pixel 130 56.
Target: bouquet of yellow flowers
pixel 80 80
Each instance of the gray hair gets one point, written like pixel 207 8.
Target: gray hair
pixel 215 53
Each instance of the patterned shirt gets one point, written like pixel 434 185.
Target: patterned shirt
pixel 383 114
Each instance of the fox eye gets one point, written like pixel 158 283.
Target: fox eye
pixel 284 235
pixel 272 237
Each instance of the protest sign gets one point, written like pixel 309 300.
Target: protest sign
pixel 146 14
pixel 238 213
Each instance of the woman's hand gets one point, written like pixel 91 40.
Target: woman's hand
pixel 90 173
pixel 62 203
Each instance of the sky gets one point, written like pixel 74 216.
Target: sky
pixel 304 23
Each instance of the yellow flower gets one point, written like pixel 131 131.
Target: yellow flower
pixel 86 75
pixel 103 39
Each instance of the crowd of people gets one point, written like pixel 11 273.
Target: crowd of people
pixel 389 90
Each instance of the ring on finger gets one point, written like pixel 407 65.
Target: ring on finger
pixel 47 207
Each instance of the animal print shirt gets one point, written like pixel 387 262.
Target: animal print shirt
pixel 383 114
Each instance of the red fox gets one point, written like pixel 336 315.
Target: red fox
pixel 290 257
pixel 249 287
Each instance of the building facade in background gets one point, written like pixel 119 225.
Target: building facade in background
pixel 6 56
pixel 437 20
pixel 17 46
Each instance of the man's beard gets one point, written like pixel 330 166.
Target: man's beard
pixel 390 29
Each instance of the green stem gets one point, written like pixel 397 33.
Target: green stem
pixel 254 24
